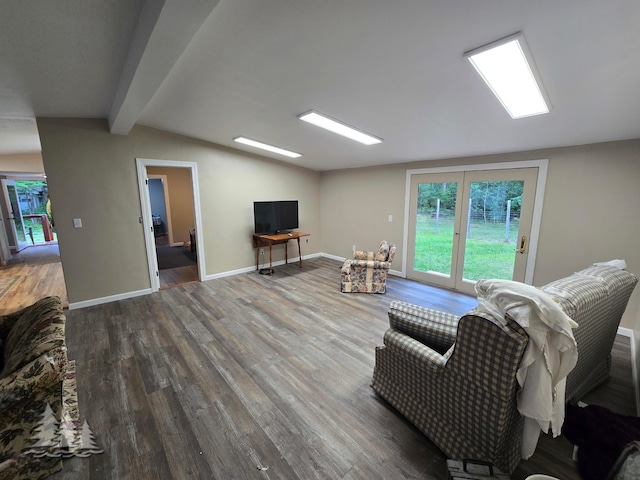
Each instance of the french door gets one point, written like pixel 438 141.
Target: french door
pixel 465 226
pixel 15 220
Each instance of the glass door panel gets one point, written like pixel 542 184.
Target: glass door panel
pixel 433 220
pixel 493 219
pixel 498 215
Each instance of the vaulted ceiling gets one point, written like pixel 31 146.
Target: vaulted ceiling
pixel 215 70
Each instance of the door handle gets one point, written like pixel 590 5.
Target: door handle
pixel 523 245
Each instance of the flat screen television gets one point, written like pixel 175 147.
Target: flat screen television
pixel 275 217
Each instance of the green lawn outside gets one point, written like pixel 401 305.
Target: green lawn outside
pixel 487 253
pixel 38 235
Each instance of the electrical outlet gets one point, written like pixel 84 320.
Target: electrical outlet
pixel 262 251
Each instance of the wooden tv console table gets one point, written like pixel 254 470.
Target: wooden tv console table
pixel 270 240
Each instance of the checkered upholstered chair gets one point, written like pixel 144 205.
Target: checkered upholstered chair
pixel 595 298
pixel 367 271
pixel 455 379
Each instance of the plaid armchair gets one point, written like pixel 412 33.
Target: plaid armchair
pixel 595 298
pixel 455 379
pixel 367 272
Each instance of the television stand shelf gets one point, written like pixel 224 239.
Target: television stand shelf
pixel 270 240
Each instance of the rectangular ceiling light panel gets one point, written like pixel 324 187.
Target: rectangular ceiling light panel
pixel 340 128
pixel 508 70
pixel 265 146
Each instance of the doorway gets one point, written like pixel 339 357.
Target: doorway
pixel 32 268
pixel 26 213
pixel 465 225
pixel 172 222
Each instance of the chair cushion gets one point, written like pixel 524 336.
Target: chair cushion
pixel 392 252
pixel 383 252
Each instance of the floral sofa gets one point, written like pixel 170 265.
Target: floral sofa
pixel 367 271
pixel 33 364
pixel 455 378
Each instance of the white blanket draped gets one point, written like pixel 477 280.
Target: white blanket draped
pixel 548 358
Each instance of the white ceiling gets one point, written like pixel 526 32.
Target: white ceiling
pixel 395 69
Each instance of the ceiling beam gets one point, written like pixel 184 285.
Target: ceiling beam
pixel 164 30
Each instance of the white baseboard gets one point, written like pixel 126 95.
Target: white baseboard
pixel 332 257
pixel 111 298
pixel 252 268
pixel 625 332
pixel 229 273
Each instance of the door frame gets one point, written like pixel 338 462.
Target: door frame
pixel 147 221
pixel 542 165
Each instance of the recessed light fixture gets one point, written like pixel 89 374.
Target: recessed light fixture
pixel 508 69
pixel 340 128
pixel 265 146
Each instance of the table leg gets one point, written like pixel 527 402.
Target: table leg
pixel 257 254
pixel 270 260
pixel 299 253
pixel 286 253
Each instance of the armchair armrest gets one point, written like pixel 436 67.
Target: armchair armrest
pixel 434 328
pixel 370 264
pixel 417 353
pixel 33 378
pixel 7 321
pixel 360 255
pixel 346 267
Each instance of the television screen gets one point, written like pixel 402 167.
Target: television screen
pixel 274 217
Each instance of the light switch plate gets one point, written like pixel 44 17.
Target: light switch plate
pixel 77 222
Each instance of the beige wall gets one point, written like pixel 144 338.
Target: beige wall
pixel 591 209
pixel 92 175
pixel 180 200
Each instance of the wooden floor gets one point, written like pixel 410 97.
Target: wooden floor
pixel 35 280
pixel 260 377
pixel 173 277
